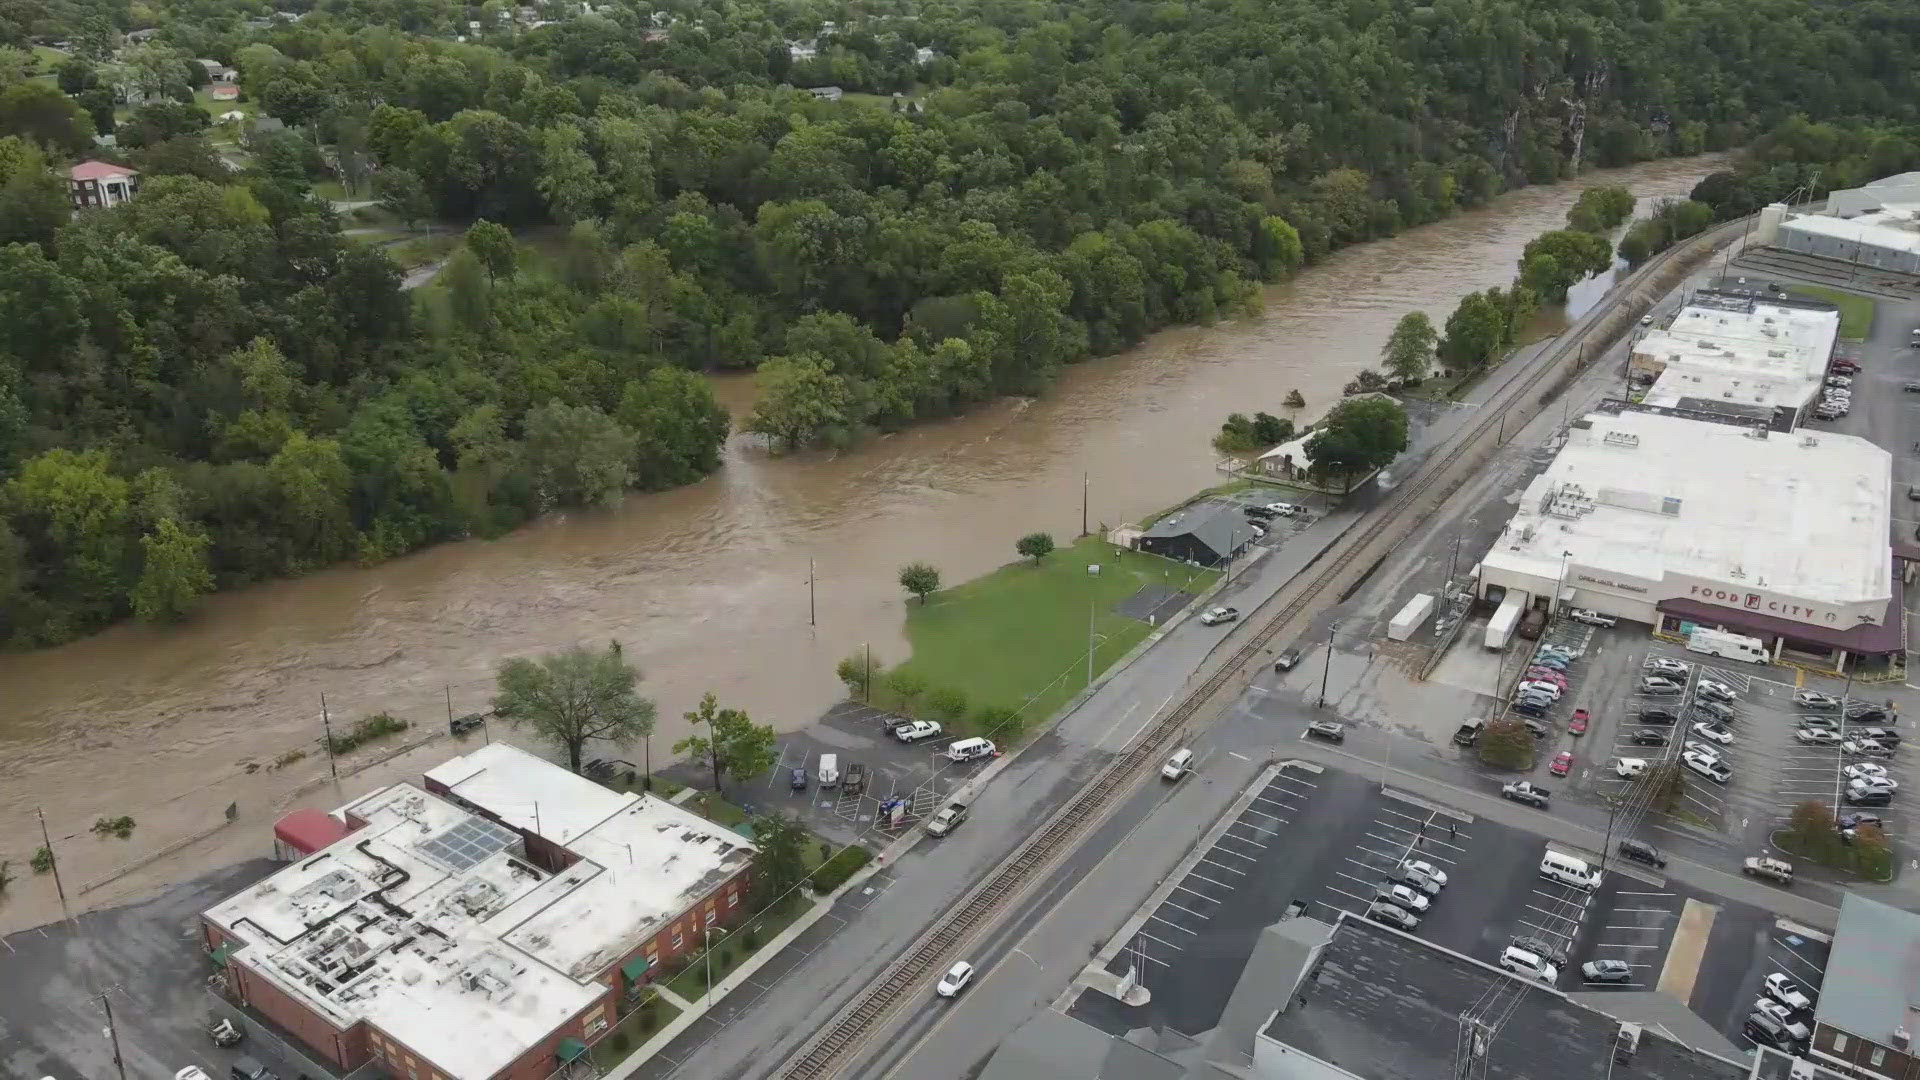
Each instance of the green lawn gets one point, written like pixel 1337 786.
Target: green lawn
pixel 48 59
pixel 1018 636
pixel 633 1030
pixel 426 249
pixel 732 950
pixel 1856 312
pixel 203 97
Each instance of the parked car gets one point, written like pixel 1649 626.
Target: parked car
pixel 1556 663
pixel 1882 735
pixel 191 1072
pixel 957 978
pixel 1287 509
pixel 1393 915
pixel 1260 512
pixel 1710 767
pixel 1647 736
pixel 1423 882
pixel 1714 690
pixel 1865 712
pixel 1783 1016
pixel 1868 770
pixel 1531 707
pixel 1911 387
pixel 1330 730
pixel 1839 380
pixel 1667 666
pixel 1872 748
pixel 1562 762
pixel 1659 688
pixel 1814 699
pixel 914 730
pixel 1578 725
pixel 1606 971
pixel 1641 851
pixel 1816 736
pixel 1714 732
pixel 1844 366
pixel 1547 674
pixel 797 779
pixel 1411 899
pixel 1658 714
pixel 246 1068
pixel 1764 1030
pixel 1537 728
pixel 1591 617
pixel 1216 616
pixel 1716 710
pixel 1530 965
pixel 1787 992
pixel 1846 822
pixel 1539 947
pixel 1421 866
pixel 1825 723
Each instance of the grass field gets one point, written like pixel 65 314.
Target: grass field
pixel 1018 636
pixel 1856 312
pixel 203 97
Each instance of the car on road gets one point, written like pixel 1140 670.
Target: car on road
pixel 1286 661
pixel 1658 687
pixel 1393 915
pixel 1714 732
pixel 1716 710
pixel 1643 852
pixel 1866 770
pixel 1523 792
pixel 1539 947
pixel 1578 725
pixel 1421 866
pixel 1658 714
pixel 1778 871
pixel 1562 762
pixel 914 730
pixel 955 980
pixel 1816 736
pixel 1647 736
pixel 1591 617
pixel 1530 965
pixel 1330 730
pixel 1606 971
pixel 1707 766
pixel 1867 748
pixel 1412 899
pixel 1667 666
pixel 1714 690
pixel 1787 992
pixel 1911 387
pixel 1179 764
pixel 1783 1016
pixel 1216 616
pixel 246 1068
pixel 1646 320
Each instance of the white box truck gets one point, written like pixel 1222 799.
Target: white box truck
pixel 1500 627
pixel 1730 646
pixel 1411 617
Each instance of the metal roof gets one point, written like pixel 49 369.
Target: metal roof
pixel 1873 972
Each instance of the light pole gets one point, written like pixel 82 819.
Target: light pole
pixel 709 932
pixel 1560 586
pixel 1328 666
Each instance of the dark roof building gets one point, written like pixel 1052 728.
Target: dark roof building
pixel 1208 533
pixel 1869 1002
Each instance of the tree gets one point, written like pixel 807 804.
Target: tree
pixel 1476 332
pixel 573 696
pixel 174 574
pixel 1035 546
pixel 1554 261
pixel 779 858
pixel 38 112
pixel 1357 436
pixel 800 399
pixel 733 744
pixel 1506 744
pixel 857 673
pixel 1271 430
pixel 920 579
pixel 493 245
pixel 402 194
pixel 1410 347
pixel 578 455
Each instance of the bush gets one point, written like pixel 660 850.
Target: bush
pixel 42 860
pixel 120 827
pixel 1001 723
pixel 947 703
pixel 377 726
pixel 1295 400
pixel 1506 744
pixel 857 673
pixel 907 688
pixel 835 871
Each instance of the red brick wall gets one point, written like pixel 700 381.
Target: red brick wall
pixel 327 1042
pixel 690 923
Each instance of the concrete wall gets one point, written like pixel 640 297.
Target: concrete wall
pixel 1830 247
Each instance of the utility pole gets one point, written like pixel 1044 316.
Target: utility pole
pixel 1090 644
pixel 1327 668
pixel 866 673
pixel 1083 503
pixel 810 607
pixel 449 688
pixel 53 862
pixel 113 1036
pixel 326 724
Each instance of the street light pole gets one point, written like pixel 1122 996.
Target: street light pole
pixel 1327 668
pixel 1561 585
pixel 709 932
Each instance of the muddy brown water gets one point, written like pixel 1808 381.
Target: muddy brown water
pixel 707 586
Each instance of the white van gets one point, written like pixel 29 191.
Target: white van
pixel 829 770
pixel 1730 646
pixel 970 750
pixel 1630 767
pixel 1568 870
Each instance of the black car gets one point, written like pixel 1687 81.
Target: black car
pixel 797 779
pixel 1530 708
pixel 1539 947
pixel 1655 714
pixel 1854 821
pixel 1328 730
pixel 1647 736
pixel 1766 1030
pixel 1863 712
pixel 1641 851
pixel 1260 512
pixel 1540 730
pixel 1716 710
pixel 1869 797
pixel 460 725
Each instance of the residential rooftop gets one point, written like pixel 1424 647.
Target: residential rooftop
pixel 430 921
pixel 1642 496
pixel 1872 983
pixel 1387 1006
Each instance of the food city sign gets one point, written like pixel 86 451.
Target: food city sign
pixel 1763 603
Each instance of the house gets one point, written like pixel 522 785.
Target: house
pixel 826 93
pixel 1288 461
pixel 138 37
pixel 922 55
pixel 802 50
pixel 98 183
pixel 1870 996
pixel 219 72
pixel 223 92
pixel 1207 533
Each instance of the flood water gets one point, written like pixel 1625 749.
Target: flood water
pixel 707 586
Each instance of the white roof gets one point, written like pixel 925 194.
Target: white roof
pixel 1747 352
pixel 470 955
pixel 1893 227
pixel 1642 495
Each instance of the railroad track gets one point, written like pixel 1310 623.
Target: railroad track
pixel 1397 520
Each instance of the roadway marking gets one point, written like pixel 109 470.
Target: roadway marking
pixel 1188 910
pixel 1197 893
pixel 1235 753
pixel 1156 918
pixel 1223 866
pixel 1210 881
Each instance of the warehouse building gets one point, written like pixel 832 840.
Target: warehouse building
pixel 485 925
pixel 1680 522
pixel 1901 189
pixel 1755 359
pixel 1885 239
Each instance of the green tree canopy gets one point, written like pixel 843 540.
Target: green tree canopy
pixel 1410 347
pixel 1358 435
pixel 1035 546
pixel 920 579
pixel 728 742
pixel 571 697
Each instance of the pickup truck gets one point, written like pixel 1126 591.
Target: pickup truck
pixel 1774 870
pixel 1522 791
pixel 948 819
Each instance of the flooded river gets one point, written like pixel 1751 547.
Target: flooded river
pixel 707 587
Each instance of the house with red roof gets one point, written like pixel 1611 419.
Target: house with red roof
pixel 99 183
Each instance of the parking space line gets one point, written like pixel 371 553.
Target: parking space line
pixel 1198 893
pixel 1223 866
pixel 1210 881
pixel 1148 957
pixel 1348 895
pixel 1218 846
pixel 1188 910
pixel 1276 802
pixel 1242 839
pixel 1269 817
pixel 1654 929
pixel 1156 918
pixel 1155 940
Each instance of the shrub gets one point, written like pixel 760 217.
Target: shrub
pixel 947 703
pixel 835 871
pixel 119 827
pixel 907 688
pixel 1001 723
pixel 618 1041
pixel 1295 400
pixel 377 726
pixel 1506 744
pixel 289 758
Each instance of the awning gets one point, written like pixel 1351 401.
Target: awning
pixel 634 968
pixel 570 1050
pixel 221 953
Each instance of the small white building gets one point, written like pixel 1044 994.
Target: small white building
pixel 1885 239
pixel 1745 355
pixel 1899 189
pixel 1681 522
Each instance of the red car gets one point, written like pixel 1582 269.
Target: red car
pixel 1558 679
pixel 1578 725
pixel 1561 763
pixel 1844 367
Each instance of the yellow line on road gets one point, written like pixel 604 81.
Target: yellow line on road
pixel 1689 946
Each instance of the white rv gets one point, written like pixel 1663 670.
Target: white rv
pixel 1731 646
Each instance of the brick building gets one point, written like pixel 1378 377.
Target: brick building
pixel 100 183
pixel 481 926
pixel 1869 1002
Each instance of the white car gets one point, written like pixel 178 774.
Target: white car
pixel 1813 736
pixel 1532 965
pixel 1421 866
pixel 1179 764
pixel 1665 666
pixel 191 1072
pixel 1813 699
pixel 1630 767
pixel 915 730
pixel 955 980
pixel 1706 765
pixel 1713 690
pixel 1591 617
pixel 1867 748
pixel 1219 615
pixel 1411 899
pixel 1839 381
pixel 1783 1016
pixel 1287 509
pixel 1870 772
pixel 1539 686
pixel 1787 992
pixel 1714 732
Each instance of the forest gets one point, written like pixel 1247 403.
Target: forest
pixel 893 211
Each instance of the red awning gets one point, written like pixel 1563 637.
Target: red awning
pixel 307 831
pixel 1863 640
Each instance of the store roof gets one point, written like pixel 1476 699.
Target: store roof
pixel 1872 984
pixel 1741 350
pixel 1646 495
pixel 1896 227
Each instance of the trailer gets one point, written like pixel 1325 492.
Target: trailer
pixel 1500 627
pixel 1411 617
pixel 1730 646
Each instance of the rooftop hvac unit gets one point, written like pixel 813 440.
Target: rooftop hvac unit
pixel 1627 1043
pixel 1801 1069
pixel 1902 1039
